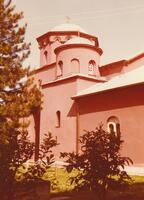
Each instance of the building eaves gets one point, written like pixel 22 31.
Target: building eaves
pixel 43 68
pixel 77 33
pixel 128 79
pixel 139 56
pixel 80 76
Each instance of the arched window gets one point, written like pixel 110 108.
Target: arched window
pixel 60 69
pixel 75 65
pixel 45 57
pixel 91 67
pixel 113 125
pixel 58 119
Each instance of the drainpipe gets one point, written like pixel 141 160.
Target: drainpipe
pixel 77 127
pixel 37 132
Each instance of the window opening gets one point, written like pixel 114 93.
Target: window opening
pixel 58 119
pixel 113 125
pixel 60 69
pixel 45 57
pixel 91 67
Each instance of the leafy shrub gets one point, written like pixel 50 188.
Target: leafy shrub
pixel 35 170
pixel 100 164
pixel 30 174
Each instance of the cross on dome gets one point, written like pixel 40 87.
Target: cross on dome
pixel 68 19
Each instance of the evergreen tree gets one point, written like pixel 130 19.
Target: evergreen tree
pixel 19 97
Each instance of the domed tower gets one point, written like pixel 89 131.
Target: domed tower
pixel 78 55
pixel 58 36
pixel 69 63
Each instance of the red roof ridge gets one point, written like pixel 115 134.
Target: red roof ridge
pixel 135 58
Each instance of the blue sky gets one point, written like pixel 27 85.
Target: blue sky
pixel 119 25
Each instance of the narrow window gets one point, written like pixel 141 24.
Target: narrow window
pixel 45 57
pixel 113 125
pixel 58 119
pixel 111 128
pixel 91 67
pixel 60 69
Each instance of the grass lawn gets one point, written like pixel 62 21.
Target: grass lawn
pixel 59 178
pixel 61 186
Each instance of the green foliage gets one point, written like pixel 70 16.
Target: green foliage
pixel 35 171
pixel 30 175
pixel 19 97
pixel 100 164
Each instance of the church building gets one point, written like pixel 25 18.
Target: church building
pixel 79 93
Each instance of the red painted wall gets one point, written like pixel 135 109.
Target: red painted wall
pixel 57 98
pixel 128 105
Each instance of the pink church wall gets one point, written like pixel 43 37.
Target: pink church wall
pixel 57 98
pixel 48 47
pixel 43 59
pixel 51 57
pixel 51 50
pixel 83 83
pixel 46 75
pixel 126 104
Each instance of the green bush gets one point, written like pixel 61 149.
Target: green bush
pixel 100 164
pixel 35 170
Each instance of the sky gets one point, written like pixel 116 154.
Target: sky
pixel 118 24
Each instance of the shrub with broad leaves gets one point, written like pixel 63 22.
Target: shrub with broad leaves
pixel 100 164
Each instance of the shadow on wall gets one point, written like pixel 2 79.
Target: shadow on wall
pixel 73 110
pixel 110 100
